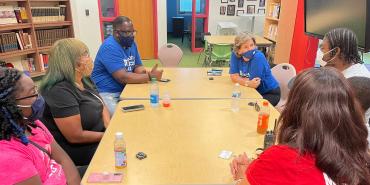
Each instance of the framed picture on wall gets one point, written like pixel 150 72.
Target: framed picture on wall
pixel 230 10
pixel 261 11
pixel 262 3
pixel 222 10
pixel 240 3
pixel 251 9
pixel 239 12
pixel 231 1
pixel 223 1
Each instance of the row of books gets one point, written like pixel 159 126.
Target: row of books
pixel 48 37
pixel 48 14
pixel 10 14
pixel 13 41
pixel 274 10
pixel 272 31
pixel 44 60
pixel 28 64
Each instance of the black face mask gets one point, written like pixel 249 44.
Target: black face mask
pixel 126 42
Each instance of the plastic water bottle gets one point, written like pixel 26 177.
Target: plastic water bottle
pixel 235 98
pixel 120 151
pixel 154 93
pixel 263 118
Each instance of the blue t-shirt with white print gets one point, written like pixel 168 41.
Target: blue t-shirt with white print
pixel 256 67
pixel 110 58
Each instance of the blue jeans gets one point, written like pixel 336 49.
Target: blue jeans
pixel 110 100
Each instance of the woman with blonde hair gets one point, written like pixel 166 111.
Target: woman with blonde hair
pixel 249 67
pixel 75 113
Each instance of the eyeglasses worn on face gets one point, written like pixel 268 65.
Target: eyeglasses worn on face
pixel 127 33
pixel 30 96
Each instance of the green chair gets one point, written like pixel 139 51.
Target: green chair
pixel 219 54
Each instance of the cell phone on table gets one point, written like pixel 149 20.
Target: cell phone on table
pixel 105 177
pixel 132 108
pixel 164 80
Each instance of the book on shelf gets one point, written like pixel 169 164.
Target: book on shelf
pixel 274 10
pixel 7 15
pixel 44 59
pixel 21 14
pixel 48 37
pixel 8 42
pixel 13 41
pixel 28 65
pixel 272 32
pixel 48 14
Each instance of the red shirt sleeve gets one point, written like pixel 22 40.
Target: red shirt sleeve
pixel 283 165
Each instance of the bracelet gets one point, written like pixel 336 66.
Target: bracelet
pixel 238 181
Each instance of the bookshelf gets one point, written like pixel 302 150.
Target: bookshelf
pixel 26 38
pixel 279 27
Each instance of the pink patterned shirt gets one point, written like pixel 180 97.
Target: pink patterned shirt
pixel 19 162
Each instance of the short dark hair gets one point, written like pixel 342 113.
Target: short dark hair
pixel 361 87
pixel 346 40
pixel 118 21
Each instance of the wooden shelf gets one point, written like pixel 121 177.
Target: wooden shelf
pixel 271 18
pixel 36 74
pixel 4 1
pixel 32 29
pixel 47 0
pixel 266 37
pixel 52 24
pixel 16 53
pixel 14 26
pixel 44 49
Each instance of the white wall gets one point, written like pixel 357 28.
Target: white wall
pixel 162 22
pixel 244 23
pixel 87 28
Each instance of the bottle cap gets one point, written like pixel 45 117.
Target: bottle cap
pixel 154 79
pixel 119 135
pixel 265 103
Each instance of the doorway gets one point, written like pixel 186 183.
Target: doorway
pixel 180 25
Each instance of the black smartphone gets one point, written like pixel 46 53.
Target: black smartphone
pixel 132 108
pixel 165 80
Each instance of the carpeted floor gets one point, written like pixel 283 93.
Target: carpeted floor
pixel 189 59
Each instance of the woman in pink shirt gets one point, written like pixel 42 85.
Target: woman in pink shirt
pixel 29 154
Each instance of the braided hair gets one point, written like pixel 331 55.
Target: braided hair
pixel 346 40
pixel 10 114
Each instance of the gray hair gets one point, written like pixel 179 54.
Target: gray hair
pixel 240 39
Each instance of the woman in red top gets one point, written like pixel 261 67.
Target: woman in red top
pixel 321 137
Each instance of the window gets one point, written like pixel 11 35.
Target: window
pixel 185 6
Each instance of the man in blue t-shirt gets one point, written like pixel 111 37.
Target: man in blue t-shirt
pixel 118 63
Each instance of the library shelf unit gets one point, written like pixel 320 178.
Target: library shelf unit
pixel 42 20
pixel 279 27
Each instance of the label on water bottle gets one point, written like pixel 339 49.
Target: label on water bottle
pixel 120 159
pixel 154 99
pixel 236 94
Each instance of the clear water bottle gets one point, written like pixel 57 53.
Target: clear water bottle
pixel 235 98
pixel 154 93
pixel 166 100
pixel 120 151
